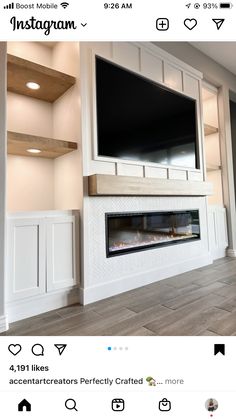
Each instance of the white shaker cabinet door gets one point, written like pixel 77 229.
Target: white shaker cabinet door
pixel 61 252
pixel 25 258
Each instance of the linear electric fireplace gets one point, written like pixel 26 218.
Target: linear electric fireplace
pixel 132 232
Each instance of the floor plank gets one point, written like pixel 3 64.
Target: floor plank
pixel 200 302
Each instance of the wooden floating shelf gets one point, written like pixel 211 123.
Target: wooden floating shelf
pixel 19 143
pixel 52 83
pixel 209 129
pixel 111 185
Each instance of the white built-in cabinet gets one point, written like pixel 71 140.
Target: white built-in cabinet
pixel 42 250
pixel 218 237
pixel 26 257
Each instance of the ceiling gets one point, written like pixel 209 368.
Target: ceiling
pixel 48 43
pixel 223 53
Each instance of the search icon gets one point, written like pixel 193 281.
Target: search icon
pixel 71 404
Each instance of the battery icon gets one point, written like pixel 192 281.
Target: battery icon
pixel 225 5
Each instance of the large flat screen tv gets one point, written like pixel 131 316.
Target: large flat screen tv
pixel 141 120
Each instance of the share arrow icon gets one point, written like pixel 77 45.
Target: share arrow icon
pixel 218 22
pixel 61 348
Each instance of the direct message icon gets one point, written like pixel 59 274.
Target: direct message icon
pixel 218 22
pixel 60 347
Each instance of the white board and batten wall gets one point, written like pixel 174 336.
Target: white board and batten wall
pixel 103 277
pixel 42 255
pixel 153 63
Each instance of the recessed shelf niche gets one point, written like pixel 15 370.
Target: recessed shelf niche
pixel 212 143
pixel 53 83
pixel 19 143
pixel 46 119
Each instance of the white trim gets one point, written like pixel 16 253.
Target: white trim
pixel 13 250
pixel 231 253
pixel 206 85
pixel 143 163
pixel 28 307
pixel 109 289
pixel 171 59
pixel 219 253
pixel 52 284
pixel 3 324
pixel 41 214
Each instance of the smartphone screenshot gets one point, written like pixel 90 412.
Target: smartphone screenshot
pixel 117 208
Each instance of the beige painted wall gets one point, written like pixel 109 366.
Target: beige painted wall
pixel 68 191
pixel 29 116
pixel 39 53
pixel 210 112
pixel 67 183
pixel 215 177
pixel 65 57
pixel 30 184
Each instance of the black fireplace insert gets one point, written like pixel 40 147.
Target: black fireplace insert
pixel 133 232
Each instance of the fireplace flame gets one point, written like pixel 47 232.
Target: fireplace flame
pixel 142 239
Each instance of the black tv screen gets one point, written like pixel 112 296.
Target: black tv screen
pixel 141 120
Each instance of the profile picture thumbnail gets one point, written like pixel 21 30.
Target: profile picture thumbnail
pixel 211 405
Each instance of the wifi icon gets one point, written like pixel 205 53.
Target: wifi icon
pixel 64 4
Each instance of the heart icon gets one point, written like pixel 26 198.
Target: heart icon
pixel 14 349
pixel 190 23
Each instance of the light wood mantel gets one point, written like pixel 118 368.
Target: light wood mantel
pixel 111 185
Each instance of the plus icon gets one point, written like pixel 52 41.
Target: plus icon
pixel 162 24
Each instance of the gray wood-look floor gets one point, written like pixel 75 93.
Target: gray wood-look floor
pixel 200 302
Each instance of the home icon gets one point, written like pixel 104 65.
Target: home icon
pixel 24 405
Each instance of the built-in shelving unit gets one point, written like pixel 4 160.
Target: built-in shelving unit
pixel 19 143
pixel 44 177
pixel 209 129
pixel 52 83
pixel 212 144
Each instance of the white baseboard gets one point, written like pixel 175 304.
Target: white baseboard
pixel 3 324
pixel 219 253
pixel 231 253
pixel 28 307
pixel 109 289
